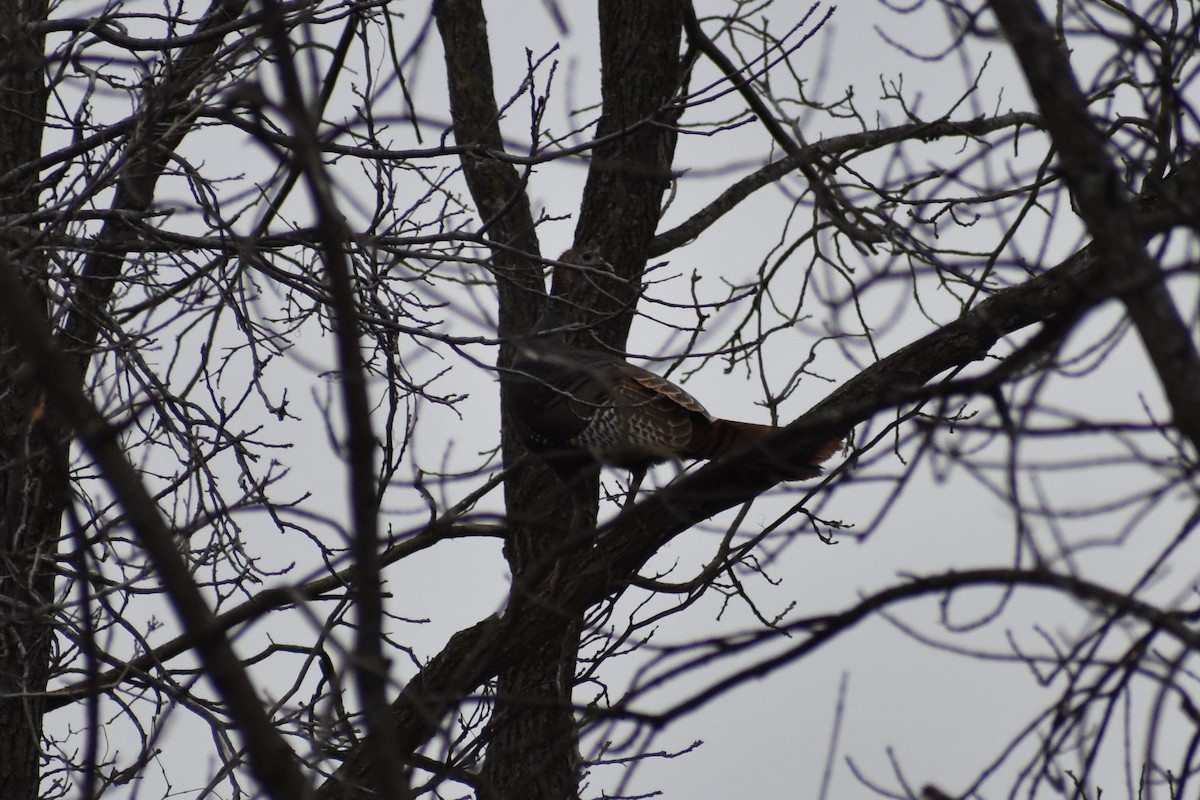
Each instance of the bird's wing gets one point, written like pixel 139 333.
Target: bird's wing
pixel 659 385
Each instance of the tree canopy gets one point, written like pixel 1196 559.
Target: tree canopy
pixel 270 528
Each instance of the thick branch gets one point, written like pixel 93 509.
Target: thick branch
pixel 497 189
pixel 622 201
pixel 1101 198
pixel 478 653
pixel 1068 289
pixel 272 761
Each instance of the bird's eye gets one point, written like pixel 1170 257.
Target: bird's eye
pixel 587 257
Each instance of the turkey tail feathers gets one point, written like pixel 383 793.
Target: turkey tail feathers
pixel 721 438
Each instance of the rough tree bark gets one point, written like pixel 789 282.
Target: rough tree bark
pixel 533 739
pixel 31 475
pixel 531 751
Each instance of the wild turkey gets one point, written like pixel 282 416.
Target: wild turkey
pixel 575 403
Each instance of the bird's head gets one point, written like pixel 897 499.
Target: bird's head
pixel 586 291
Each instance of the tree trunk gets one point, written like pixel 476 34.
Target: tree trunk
pixel 31 476
pixel 533 739
pixel 33 448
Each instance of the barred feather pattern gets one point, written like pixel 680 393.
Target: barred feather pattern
pixel 582 402
pixel 578 403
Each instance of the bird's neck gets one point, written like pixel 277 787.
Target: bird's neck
pixel 570 324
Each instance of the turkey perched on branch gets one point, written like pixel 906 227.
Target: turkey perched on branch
pixel 576 403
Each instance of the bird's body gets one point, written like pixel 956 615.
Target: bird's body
pixel 575 402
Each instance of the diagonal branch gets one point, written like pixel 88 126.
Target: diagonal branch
pixel 1068 289
pixel 826 198
pixel 1101 198
pixel 271 759
pixel 169 109
pixel 366 591
pixel 478 653
pixel 812 154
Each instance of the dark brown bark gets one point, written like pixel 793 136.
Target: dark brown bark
pixel 31 476
pixel 622 200
pixel 496 187
pixel 533 739
pixel 531 735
